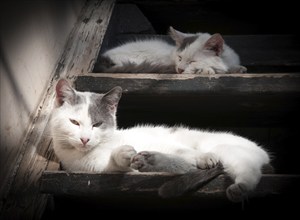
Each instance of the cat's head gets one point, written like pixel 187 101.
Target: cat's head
pixel 195 51
pixel 83 120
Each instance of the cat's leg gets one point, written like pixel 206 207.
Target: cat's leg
pixel 151 161
pixel 245 180
pixel 243 163
pixel 120 159
pixel 244 183
pixel 237 69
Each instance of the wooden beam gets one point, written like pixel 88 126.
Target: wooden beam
pixel 24 200
pixel 85 42
pixel 61 183
pixel 191 83
pixel 223 99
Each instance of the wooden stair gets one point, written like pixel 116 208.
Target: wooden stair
pixel 262 105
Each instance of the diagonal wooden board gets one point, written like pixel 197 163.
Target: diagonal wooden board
pixel 24 199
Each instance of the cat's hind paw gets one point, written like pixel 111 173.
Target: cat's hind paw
pixel 143 161
pixel 236 192
pixel 207 161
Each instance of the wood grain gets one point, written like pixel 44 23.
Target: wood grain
pixel 226 100
pixel 61 183
pixel 191 83
pixel 24 199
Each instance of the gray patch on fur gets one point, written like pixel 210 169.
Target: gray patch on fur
pixel 76 99
pixel 145 67
pixel 99 112
pixel 187 41
pixel 152 161
pixel 103 62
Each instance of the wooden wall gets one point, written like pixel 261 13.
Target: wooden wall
pixel 33 36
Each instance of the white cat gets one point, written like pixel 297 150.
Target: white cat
pixel 199 53
pixel 86 138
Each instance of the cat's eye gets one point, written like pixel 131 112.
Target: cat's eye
pixel 193 61
pixel 179 58
pixel 74 122
pixel 98 124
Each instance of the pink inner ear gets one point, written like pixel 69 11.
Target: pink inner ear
pixel 215 43
pixel 60 87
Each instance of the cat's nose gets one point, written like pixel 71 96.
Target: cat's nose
pixel 180 70
pixel 84 140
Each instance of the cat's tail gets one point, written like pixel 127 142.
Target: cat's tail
pixel 190 181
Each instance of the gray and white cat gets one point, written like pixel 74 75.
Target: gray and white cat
pixel 199 53
pixel 86 138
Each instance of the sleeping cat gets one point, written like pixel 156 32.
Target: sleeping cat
pixel 86 138
pixel 199 53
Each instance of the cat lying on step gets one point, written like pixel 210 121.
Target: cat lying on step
pixel 86 138
pixel 199 53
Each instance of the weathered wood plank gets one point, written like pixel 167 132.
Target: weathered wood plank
pixel 193 84
pixel 147 184
pixel 53 162
pixel 24 199
pixel 85 42
pixel 227 100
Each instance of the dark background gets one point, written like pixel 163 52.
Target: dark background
pixel 229 17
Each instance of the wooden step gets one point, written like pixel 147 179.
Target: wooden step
pixel 124 191
pixel 266 105
pixel 235 99
pixel 147 184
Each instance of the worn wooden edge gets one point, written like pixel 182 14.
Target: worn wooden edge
pixel 182 83
pixel 84 44
pixel 63 183
pixel 159 76
pixel 24 199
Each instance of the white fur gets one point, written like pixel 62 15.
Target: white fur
pixel 241 158
pixel 153 51
pixel 160 53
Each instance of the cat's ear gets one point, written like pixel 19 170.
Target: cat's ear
pixel 215 43
pixel 112 98
pixel 64 92
pixel 177 36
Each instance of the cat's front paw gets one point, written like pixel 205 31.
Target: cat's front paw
pixel 236 192
pixel 207 161
pixel 123 154
pixel 205 71
pixel 143 161
pixel 238 69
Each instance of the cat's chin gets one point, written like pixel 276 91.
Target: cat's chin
pixel 82 148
